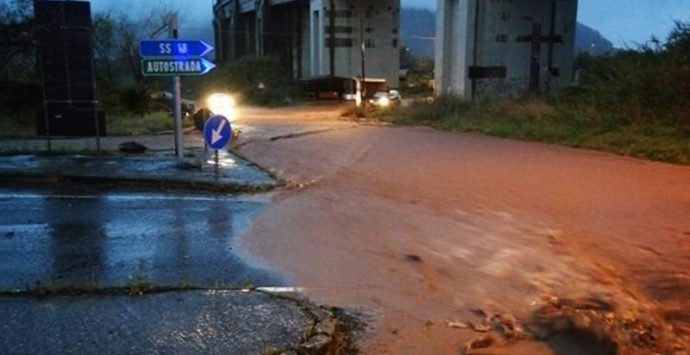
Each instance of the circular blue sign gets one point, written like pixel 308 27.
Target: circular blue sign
pixel 217 132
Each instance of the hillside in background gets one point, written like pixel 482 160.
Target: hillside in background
pixel 418 29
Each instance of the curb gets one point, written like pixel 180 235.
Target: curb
pixel 327 335
pixel 53 180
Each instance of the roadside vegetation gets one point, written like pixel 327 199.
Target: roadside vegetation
pixel 128 98
pixel 635 102
pixel 150 123
pixel 262 81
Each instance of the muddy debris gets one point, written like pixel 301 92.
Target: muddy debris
pixel 590 323
pixel 481 342
pixel 481 328
pixel 413 258
pixel 457 325
pixel 132 148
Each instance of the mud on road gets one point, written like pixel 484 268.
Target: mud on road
pixel 422 232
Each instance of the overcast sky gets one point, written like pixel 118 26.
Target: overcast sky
pixel 621 21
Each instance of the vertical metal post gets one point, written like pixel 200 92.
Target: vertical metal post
pixel 331 32
pixel 475 46
pixel 46 120
pixel 95 101
pixel 535 62
pixel 216 170
pixel 177 100
pixel 363 87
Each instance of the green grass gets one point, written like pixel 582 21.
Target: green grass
pixel 541 121
pixel 128 124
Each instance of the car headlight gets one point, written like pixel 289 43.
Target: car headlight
pixel 221 104
pixel 384 102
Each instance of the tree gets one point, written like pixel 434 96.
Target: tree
pixel 17 41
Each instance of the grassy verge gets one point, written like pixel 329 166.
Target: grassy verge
pixel 542 121
pixel 128 124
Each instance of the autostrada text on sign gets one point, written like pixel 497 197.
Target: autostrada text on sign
pixel 174 66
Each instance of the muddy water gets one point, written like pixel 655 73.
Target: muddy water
pixel 413 227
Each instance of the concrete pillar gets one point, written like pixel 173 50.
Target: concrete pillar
pixel 490 48
pixel 317 39
pixel 455 46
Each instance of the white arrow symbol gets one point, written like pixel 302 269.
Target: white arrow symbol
pixel 215 135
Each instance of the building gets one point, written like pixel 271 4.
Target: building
pixel 314 38
pixel 503 47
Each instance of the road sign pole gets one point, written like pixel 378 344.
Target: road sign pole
pixel 46 120
pixel 177 101
pixel 215 169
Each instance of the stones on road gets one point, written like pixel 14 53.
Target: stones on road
pixel 584 324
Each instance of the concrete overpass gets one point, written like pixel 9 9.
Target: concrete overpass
pixel 488 48
pixel 313 38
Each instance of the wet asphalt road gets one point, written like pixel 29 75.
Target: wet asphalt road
pixel 51 239
pixel 192 322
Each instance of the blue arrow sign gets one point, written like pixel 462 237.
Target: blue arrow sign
pixel 177 48
pixel 217 132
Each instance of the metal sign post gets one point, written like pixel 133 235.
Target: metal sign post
pixel 177 101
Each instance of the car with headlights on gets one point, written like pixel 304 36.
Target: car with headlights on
pixel 385 99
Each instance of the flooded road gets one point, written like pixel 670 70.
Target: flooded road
pixel 414 228
pixel 53 239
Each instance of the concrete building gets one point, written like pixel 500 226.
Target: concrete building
pixel 503 47
pixel 314 38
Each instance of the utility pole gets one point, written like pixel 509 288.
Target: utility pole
pixel 535 58
pixel 177 99
pixel 363 80
pixel 331 31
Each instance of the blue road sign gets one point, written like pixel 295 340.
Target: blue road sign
pixel 173 67
pixel 175 48
pixel 217 132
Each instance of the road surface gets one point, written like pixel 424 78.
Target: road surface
pixel 54 239
pixel 413 227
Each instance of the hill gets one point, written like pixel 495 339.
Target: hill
pixel 418 29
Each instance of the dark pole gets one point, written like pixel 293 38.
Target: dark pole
pixel 534 77
pixel 331 30
pixel 298 11
pixel 552 34
pixel 475 47
pixel 177 99
pixel 46 120
pixel 95 100
pixel 363 53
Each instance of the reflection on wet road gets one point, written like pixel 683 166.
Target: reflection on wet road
pixel 113 239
